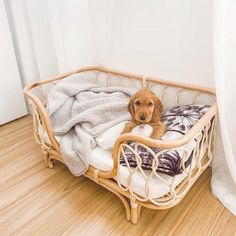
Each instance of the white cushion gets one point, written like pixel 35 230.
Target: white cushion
pixel 108 138
pixel 144 130
pixel 102 160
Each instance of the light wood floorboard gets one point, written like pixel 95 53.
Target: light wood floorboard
pixel 35 200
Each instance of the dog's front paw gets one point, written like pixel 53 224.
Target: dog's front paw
pixel 158 131
pixel 123 132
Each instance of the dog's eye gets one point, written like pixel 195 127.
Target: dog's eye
pixel 150 104
pixel 137 103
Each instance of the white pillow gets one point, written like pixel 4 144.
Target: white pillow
pixel 144 130
pixel 107 139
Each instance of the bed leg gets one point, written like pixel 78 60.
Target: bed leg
pixel 135 211
pixel 48 161
pixel 126 205
pixel 139 211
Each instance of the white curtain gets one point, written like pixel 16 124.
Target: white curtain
pixel 224 165
pixel 80 29
pixel 71 30
pixel 51 36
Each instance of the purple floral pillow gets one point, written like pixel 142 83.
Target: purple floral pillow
pixel 178 120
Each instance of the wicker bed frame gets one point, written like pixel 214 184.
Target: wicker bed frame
pixel 204 132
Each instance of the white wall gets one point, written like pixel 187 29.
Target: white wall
pixel 169 39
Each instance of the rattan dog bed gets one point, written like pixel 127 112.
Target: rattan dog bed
pixel 171 93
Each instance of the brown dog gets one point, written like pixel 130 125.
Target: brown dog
pixel 145 108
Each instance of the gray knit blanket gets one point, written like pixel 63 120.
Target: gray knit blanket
pixel 80 109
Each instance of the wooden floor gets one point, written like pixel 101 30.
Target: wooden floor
pixel 35 200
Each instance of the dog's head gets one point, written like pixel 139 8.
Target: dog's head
pixel 145 107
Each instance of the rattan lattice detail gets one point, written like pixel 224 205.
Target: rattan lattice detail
pixel 204 145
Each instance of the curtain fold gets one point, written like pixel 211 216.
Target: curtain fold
pixel 81 32
pixel 70 22
pixel 223 181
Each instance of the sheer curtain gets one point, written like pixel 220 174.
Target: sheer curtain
pixel 51 36
pixel 70 23
pixel 224 166
pixel 81 32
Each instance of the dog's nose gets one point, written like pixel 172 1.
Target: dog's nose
pixel 142 117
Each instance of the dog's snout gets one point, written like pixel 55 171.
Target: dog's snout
pixel 142 117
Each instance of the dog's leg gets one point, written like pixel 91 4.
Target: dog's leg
pixel 158 131
pixel 128 127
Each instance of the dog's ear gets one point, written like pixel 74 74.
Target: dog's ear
pixel 131 107
pixel 158 109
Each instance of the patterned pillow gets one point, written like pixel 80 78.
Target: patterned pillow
pixel 178 120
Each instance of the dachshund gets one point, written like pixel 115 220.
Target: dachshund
pixel 145 108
